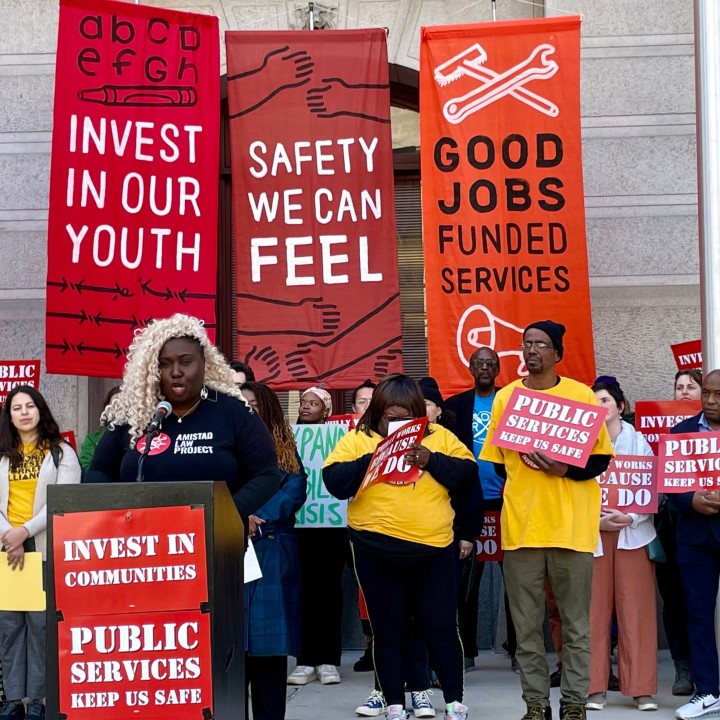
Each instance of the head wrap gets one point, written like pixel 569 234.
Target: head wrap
pixel 553 330
pixel 324 395
pixel 431 391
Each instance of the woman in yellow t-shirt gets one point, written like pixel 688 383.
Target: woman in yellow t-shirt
pixel 402 540
pixel 33 455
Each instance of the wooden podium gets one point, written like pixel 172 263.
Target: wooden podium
pixel 145 602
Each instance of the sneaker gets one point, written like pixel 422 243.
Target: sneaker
pixel 393 713
pixel 458 712
pixel 572 711
pixel 35 710
pixel 365 663
pixel 373 706
pixel 645 702
pixel 555 678
pixel 302 675
pixel 596 701
pixel 683 684
pixel 421 704
pixel 328 674
pixel 12 710
pixel 702 705
pixel 538 712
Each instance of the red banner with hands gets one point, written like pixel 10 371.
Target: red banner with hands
pixel 132 231
pixel 316 262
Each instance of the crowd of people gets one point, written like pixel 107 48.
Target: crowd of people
pixel 592 572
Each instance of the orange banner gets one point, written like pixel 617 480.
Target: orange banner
pixel 502 193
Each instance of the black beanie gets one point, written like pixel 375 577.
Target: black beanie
pixel 553 330
pixel 431 391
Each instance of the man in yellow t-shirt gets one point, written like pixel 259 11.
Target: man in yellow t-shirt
pixel 550 524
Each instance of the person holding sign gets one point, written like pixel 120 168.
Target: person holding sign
pixel 623 580
pixel 272 603
pixel 698 556
pixel 401 530
pixel 211 432
pixel 550 521
pixel 33 455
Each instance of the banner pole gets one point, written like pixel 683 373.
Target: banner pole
pixel 494 10
pixel 311 12
pixel 707 104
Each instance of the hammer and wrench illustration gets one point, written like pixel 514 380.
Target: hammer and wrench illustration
pixel 537 66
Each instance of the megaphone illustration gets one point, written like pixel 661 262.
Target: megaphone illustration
pixel 478 327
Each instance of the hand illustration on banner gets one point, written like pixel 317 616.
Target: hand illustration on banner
pixel 478 327
pixel 284 71
pixel 338 97
pixel 470 63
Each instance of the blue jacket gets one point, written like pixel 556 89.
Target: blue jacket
pixel 692 528
pixel 272 603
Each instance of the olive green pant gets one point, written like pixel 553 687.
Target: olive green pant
pixel 570 575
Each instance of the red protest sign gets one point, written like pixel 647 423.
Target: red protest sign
pixel 563 429
pixel 315 250
pixel 388 461
pixel 348 419
pixel 656 417
pixel 150 665
pixel 136 560
pixel 132 228
pixel 688 462
pixel 18 372
pixel 488 545
pixel 629 484
pixel 69 437
pixel 688 355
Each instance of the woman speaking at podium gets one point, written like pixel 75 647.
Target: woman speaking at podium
pixel 209 433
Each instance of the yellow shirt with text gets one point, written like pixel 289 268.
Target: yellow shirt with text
pixel 23 481
pixel 539 509
pixel 419 513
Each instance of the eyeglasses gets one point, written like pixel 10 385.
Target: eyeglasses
pixel 528 345
pixel 483 363
pixel 393 418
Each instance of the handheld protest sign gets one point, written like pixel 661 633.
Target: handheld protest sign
pixel 629 484
pixel 689 462
pixel 655 417
pixel 564 430
pixel 488 545
pixel 688 355
pixel 18 372
pixel 388 461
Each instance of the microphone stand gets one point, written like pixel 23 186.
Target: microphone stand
pixel 149 437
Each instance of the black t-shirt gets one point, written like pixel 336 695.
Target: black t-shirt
pixel 220 440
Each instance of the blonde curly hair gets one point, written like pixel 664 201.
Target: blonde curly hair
pixel 140 392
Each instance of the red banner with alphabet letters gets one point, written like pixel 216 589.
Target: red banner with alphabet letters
pixel 140 560
pixel 502 193
pixel 18 372
pixel 563 429
pixel 488 545
pixel 132 229
pixel 630 484
pixel 387 464
pixel 688 462
pixel 688 355
pixel 135 665
pixel 654 418
pixel 318 298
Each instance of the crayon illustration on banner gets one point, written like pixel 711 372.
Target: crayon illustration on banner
pixel 563 429
pixel 689 462
pixel 488 545
pixel 654 418
pixel 18 372
pixel 132 228
pixel 314 444
pixel 502 193
pixel 630 484
pixel 688 355
pixel 318 296
pixel 387 464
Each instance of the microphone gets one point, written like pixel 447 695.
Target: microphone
pixel 163 409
